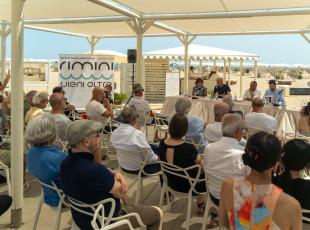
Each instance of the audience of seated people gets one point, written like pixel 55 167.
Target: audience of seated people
pixel 62 122
pixel 88 181
pixel 223 158
pixel 253 202
pixel 176 151
pixel 304 121
pixel 221 89
pixel 213 131
pixel 133 141
pixel 292 180
pixel 199 90
pixel 252 92
pixel 99 108
pixel 142 106
pixel 44 158
pixel 196 126
pixel 39 101
pixel 258 120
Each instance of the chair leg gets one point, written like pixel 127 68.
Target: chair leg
pixel 189 209
pixel 139 194
pixel 205 216
pixel 34 227
pixel 8 181
pixel 162 193
pixel 58 218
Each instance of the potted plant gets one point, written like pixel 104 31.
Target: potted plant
pixel 119 98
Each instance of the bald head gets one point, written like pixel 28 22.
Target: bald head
pixel 55 99
pixel 57 102
pixel 98 94
pixel 220 109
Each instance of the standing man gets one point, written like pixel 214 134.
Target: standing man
pixel 221 89
pixel 274 93
pixel 252 92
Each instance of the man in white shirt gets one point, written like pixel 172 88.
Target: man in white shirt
pixel 142 106
pixel 213 132
pixel 258 120
pixel 99 108
pixel 252 92
pixel 62 122
pixel 132 143
pixel 223 158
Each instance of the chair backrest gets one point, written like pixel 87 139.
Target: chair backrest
pixel 171 169
pixel 62 144
pixel 53 186
pixel 137 158
pixel 84 209
pixel 304 218
pixel 252 131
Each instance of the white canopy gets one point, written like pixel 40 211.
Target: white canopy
pixel 201 52
pixel 108 18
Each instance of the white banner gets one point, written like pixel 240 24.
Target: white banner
pixel 80 73
pixel 172 83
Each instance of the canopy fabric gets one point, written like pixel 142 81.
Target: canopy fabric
pixel 200 52
pixel 35 9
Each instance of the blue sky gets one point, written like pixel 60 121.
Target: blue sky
pixel 290 49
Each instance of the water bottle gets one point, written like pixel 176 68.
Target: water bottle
pixel 235 97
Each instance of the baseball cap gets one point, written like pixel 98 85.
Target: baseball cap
pixel 80 129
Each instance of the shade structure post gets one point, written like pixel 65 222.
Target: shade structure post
pixel 200 68
pixel 186 40
pixel 255 69
pixel 17 138
pixel 214 63
pixel 229 62
pixel 3 50
pixel 93 42
pixel 139 66
pixel 224 70
pixel 241 74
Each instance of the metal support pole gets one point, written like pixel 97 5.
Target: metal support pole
pixel 17 138
pixel 224 71
pixel 139 66
pixel 241 74
pixel 214 64
pixel 3 51
pixel 93 42
pixel 200 68
pixel 229 61
pixel 305 37
pixel 255 70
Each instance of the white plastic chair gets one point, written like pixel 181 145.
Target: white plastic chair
pixel 95 213
pixel 123 220
pixel 59 207
pixel 251 131
pixel 63 144
pixel 6 170
pixel 74 116
pixel 290 136
pixel 160 125
pixel 139 159
pixel 106 135
pixel 305 211
pixel 174 170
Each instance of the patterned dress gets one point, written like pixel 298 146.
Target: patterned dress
pixel 199 91
pixel 253 206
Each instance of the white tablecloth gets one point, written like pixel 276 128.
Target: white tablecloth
pixel 203 107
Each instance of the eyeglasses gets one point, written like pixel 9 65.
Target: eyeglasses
pixel 97 135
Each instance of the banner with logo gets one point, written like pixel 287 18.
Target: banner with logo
pixel 80 73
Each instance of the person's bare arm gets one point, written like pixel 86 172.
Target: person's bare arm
pixel 6 81
pixel 296 216
pixel 108 107
pixel 199 161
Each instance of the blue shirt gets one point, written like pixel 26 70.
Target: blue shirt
pixel 221 90
pixel 276 94
pixel 86 181
pixel 44 163
pixel 195 131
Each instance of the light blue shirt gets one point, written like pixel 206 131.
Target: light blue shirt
pixel 195 132
pixel 276 94
pixel 44 162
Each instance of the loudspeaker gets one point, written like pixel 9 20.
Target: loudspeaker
pixel 132 56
